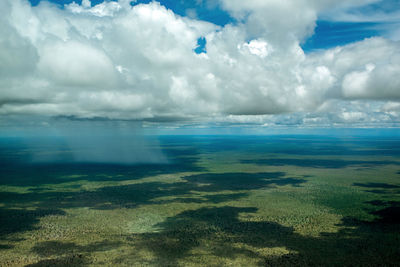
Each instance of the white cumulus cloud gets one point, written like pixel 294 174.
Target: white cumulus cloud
pixel 116 61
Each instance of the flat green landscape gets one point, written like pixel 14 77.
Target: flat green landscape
pixel 217 201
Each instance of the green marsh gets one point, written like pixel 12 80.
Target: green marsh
pixel 219 201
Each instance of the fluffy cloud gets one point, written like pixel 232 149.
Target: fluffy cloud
pixel 116 61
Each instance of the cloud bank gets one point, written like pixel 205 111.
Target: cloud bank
pixel 124 62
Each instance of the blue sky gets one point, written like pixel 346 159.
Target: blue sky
pixel 328 33
pixel 63 2
pixel 125 61
pixel 204 10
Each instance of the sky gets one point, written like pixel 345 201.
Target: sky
pixel 200 63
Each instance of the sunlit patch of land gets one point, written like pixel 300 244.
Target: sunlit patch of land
pixel 241 201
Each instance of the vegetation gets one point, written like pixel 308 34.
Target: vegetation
pixel 238 201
